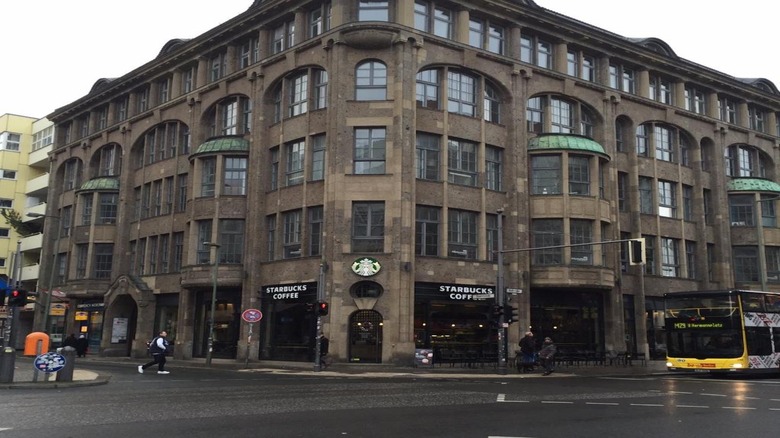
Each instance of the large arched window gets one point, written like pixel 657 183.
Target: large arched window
pixel 230 116
pixel 664 142
pixel 107 161
pixel 463 91
pixel 744 160
pixel 164 141
pixel 299 92
pixel 371 81
pixel 550 113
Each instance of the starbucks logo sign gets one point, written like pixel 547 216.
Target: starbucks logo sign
pixel 366 266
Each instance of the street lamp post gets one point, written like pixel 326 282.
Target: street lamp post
pixel 213 300
pixel 52 269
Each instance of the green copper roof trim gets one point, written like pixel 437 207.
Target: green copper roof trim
pixel 565 142
pixel 101 184
pixel 752 185
pixel 223 144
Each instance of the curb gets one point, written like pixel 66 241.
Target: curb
pixel 101 379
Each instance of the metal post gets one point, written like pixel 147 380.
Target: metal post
pixel 500 300
pixel 213 300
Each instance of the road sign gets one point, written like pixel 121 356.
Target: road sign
pixel 510 290
pixel 251 315
pixel 49 362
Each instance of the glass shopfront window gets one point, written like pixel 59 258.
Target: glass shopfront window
pixel 287 328
pixel 574 320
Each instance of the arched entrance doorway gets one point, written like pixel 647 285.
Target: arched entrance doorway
pixel 365 337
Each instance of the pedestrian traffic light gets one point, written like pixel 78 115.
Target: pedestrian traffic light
pixel 322 308
pixel 512 315
pixel 310 307
pixel 636 251
pixel 17 298
pixel 498 310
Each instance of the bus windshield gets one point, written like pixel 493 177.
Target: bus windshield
pixel 703 326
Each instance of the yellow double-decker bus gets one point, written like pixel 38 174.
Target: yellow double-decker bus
pixel 722 331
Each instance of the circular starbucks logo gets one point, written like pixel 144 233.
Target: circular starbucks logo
pixel 366 266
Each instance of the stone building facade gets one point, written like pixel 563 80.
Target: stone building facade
pixel 360 152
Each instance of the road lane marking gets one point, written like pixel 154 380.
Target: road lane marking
pixel 740 408
pixel 651 405
pixel 680 392
pixel 691 406
pixel 557 402
pixel 603 403
pixel 713 395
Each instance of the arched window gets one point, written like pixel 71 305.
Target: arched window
pixel 550 113
pixel 299 92
pixel 662 141
pixel 371 81
pixel 743 160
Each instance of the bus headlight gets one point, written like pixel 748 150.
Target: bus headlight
pixel 736 365
pixel 669 364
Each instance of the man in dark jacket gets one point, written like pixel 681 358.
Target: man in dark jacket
pixel 158 347
pixel 527 353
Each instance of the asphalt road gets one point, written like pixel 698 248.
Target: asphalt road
pixel 199 402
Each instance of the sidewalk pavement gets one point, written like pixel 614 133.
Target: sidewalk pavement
pixel 83 376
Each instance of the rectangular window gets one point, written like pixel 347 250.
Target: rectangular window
pixel 181 193
pixel 66 220
pixel 274 170
pixel 746 264
pixel 695 100
pixel 491 237
pixel 690 258
pixel 768 212
pixel 163 90
pixel 667 199
pixel 428 156
pixel 217 66
pixel 442 22
pixel 317 157
pixel 462 94
pixel 292 234
pixel 235 176
pixel 249 52
pixel 707 205
pixel 271 237
pixel 741 211
pixel 623 201
pixel 534 50
pixel 316 222
pixel 108 208
pixel 208 176
pixel 581 231
pixel 373 10
pixel 178 251
pixel 493 167
pixel 579 175
pixel 427 89
pixel 369 151
pixel 165 261
pixel 320 89
pixel 294 156
pixel 547 233
pixel 426 238
pixel 660 90
pixel 727 109
pixel 535 115
pixel 142 100
pixel 492 40
pixel 462 162
pixel 546 175
pixel 104 258
pixel 82 255
pixel 670 259
pixel 319 20
pixel 231 241
pixel 121 108
pixel 756 118
pixel 462 234
pixel 650 268
pixel 622 78
pixel 664 150
pixel 86 208
pixel 188 79
pixel 204 235
pixel 687 193
pixel 299 93
pixel 153 255
pixel 368 227
pixel 646 195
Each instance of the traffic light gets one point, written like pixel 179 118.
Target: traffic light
pixel 310 307
pixel 17 298
pixel 498 310
pixel 322 308
pixel 636 251
pixel 512 315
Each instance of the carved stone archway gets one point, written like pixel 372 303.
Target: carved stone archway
pixel 128 298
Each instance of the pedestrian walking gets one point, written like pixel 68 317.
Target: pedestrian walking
pixel 158 348
pixel 547 356
pixel 527 353
pixel 82 344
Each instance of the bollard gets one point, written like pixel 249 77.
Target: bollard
pixel 7 363
pixel 66 373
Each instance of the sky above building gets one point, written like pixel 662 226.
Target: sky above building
pixel 57 50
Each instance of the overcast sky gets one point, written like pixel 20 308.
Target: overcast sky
pixel 60 48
